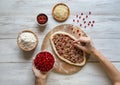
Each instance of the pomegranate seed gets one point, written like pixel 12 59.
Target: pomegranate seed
pixel 84 22
pixel 83 19
pixel 91 25
pixel 93 21
pixel 60 45
pixel 81 13
pixel 79 17
pixel 62 48
pixel 86 16
pixel 89 21
pixel 88 24
pixel 72 28
pixel 80 25
pixel 73 20
pixel 89 13
pixel 77 20
pixel 77 30
pixel 76 16
pixel 84 26
pixel 79 34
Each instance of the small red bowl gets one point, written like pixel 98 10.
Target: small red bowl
pixel 42 19
pixel 44 61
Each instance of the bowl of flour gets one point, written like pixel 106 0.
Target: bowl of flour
pixel 27 40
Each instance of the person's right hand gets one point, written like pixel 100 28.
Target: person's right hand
pixel 86 44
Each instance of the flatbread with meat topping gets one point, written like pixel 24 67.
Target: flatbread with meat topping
pixel 62 45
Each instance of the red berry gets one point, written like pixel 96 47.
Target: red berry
pixel 86 16
pixel 83 19
pixel 79 17
pixel 89 21
pixel 72 28
pixel 89 13
pixel 93 21
pixel 73 20
pixel 88 24
pixel 76 16
pixel 84 22
pixel 91 25
pixel 81 13
pixel 80 25
pixel 62 48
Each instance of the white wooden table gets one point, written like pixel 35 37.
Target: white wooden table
pixel 17 15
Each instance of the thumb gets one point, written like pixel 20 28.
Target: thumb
pixel 84 39
pixel 80 47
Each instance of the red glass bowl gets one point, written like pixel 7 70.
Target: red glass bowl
pixel 44 61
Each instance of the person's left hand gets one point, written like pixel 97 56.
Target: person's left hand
pixel 38 74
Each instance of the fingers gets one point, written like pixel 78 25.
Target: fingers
pixel 76 41
pixel 80 47
pixel 33 66
pixel 33 63
pixel 83 39
pixel 37 72
pixel 33 69
pixel 33 58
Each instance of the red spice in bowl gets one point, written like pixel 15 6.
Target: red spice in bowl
pixel 44 61
pixel 42 19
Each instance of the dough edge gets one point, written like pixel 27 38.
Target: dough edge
pixel 63 59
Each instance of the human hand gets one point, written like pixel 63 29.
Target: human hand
pixel 38 74
pixel 86 44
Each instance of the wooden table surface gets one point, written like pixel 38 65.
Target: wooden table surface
pixel 17 15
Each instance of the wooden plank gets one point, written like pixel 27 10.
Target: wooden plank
pixel 16 73
pixel 28 7
pixel 105 27
pixel 21 74
pixel 10 52
pixel 98 7
pixel 14 19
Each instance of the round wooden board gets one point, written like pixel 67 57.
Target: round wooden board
pixel 61 66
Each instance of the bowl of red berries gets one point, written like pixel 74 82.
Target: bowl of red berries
pixel 44 61
pixel 42 19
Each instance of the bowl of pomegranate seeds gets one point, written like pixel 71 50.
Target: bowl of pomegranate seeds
pixel 44 61
pixel 42 19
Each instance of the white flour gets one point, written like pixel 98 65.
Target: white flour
pixel 27 40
